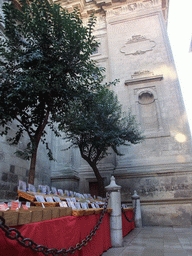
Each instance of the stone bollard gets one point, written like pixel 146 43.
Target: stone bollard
pixel 137 206
pixel 115 217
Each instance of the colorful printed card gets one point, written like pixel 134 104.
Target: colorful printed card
pixel 14 206
pixel 4 207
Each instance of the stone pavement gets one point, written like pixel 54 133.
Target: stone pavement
pixel 155 241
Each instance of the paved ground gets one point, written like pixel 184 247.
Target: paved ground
pixel 155 241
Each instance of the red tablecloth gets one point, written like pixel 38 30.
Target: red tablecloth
pixel 61 233
pixel 127 226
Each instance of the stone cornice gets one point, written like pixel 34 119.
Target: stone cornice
pixel 112 7
pixel 144 79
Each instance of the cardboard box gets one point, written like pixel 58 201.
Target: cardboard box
pixel 11 217
pixel 24 217
pixel 89 211
pixel 78 212
pixel 65 211
pixel 47 213
pixel 37 214
pixel 55 212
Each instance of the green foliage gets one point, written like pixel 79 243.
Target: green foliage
pixel 96 124
pixel 45 55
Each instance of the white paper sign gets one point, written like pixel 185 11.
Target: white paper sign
pixel 42 189
pixel 48 192
pixel 28 204
pixel 71 204
pixel 22 186
pixel 54 190
pixel 63 204
pixel 77 205
pixel 49 199
pixel 71 193
pixel 60 191
pixel 56 199
pixel 31 188
pixel 93 206
pixel 84 206
pixel 40 198
pixel 66 192
pixel 73 199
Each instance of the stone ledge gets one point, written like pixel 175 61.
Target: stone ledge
pixel 66 177
pixel 143 80
pixel 161 201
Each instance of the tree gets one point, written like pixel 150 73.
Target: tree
pixel 44 53
pixel 98 126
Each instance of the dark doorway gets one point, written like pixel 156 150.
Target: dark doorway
pixel 94 188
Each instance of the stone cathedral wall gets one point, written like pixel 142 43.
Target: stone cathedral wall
pixel 135 49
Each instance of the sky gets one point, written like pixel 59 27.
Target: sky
pixel 180 35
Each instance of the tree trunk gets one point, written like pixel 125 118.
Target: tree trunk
pixel 32 166
pixel 99 179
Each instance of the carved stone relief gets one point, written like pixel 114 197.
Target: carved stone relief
pixel 142 73
pixel 138 45
pixel 132 7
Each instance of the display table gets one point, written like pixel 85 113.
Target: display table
pixel 127 226
pixel 61 233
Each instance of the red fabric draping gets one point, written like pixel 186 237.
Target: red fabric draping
pixel 127 226
pixel 61 233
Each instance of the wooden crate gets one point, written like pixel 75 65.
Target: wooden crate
pixel 47 213
pixel 89 211
pixel 11 217
pixel 109 210
pixel 78 212
pixel 55 212
pixel 27 196
pixel 46 204
pixel 24 217
pixel 98 210
pixel 128 209
pixel 37 214
pixel 65 211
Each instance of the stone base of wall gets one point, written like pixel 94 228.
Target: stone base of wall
pixel 70 182
pixel 176 213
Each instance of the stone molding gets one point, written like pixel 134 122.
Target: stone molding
pixel 161 201
pixel 144 80
pixel 65 177
pixel 110 7
pixel 138 45
pixel 154 171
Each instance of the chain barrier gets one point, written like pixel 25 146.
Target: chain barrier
pixel 14 234
pixel 134 212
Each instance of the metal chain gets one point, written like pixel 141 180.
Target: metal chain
pixel 134 212
pixel 14 234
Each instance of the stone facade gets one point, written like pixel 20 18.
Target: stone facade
pixel 134 48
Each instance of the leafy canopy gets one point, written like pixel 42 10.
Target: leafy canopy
pixel 45 54
pixel 99 125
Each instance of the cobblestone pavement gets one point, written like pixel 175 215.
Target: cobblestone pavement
pixel 155 241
